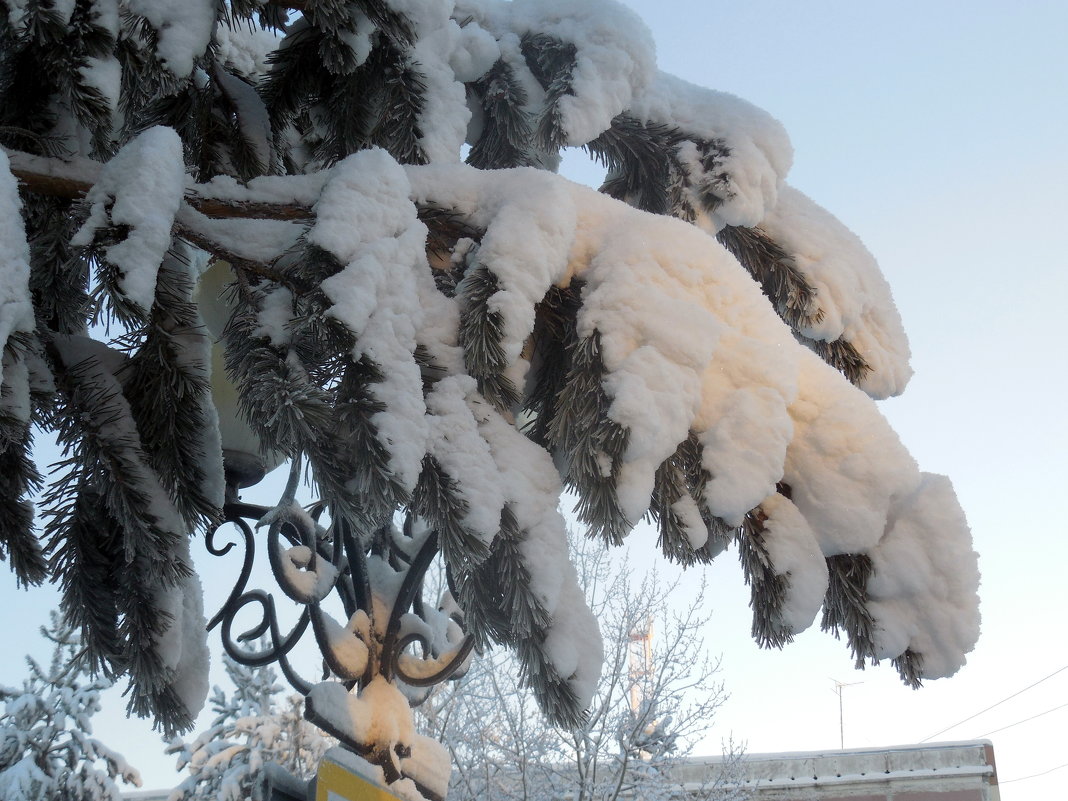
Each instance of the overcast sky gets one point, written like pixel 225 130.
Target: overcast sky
pixel 937 132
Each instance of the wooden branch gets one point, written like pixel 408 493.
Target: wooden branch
pixel 220 209
pixel 53 177
pixel 73 179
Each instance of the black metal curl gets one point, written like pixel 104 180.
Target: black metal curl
pixel 246 564
pixel 278 649
pixel 462 651
pixel 347 554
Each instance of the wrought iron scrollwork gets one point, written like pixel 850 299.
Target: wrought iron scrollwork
pixel 388 630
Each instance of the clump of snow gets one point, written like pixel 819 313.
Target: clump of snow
pixel 444 115
pixel 183 27
pixel 366 220
pixel 183 644
pixel 305 577
pixel 245 49
pixel 764 408
pixel 925 577
pixel 726 374
pixel 475 52
pixel 144 184
pixel 532 488
pixel 379 717
pixel 348 652
pixel 615 59
pixel 759 153
pixel 455 442
pixel 845 464
pixel 850 289
pixel 292 189
pixel 794 552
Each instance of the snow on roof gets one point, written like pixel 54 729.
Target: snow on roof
pixel 948 760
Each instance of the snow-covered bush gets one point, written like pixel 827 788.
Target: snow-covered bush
pixel 252 728
pixel 455 340
pixel 47 751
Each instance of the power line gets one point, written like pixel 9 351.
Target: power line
pixel 1034 775
pixel 999 703
pixel 1017 723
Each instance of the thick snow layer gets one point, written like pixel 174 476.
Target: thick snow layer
pixel 308 583
pixel 380 717
pixel 145 182
pixel 455 442
pixel 348 652
pixel 445 114
pixel 366 219
pixel 759 155
pixel 850 289
pixel 183 645
pixel 615 59
pixel 16 309
pixel 925 576
pixel 532 489
pixel 245 49
pixel 690 344
pixel 795 553
pixel 725 374
pixel 253 239
pixel 183 26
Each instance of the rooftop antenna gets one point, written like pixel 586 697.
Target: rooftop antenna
pixel 838 685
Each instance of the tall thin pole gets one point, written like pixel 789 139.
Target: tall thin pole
pixel 838 685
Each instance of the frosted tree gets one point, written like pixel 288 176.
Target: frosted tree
pixel 453 336
pixel 655 701
pixel 47 751
pixel 252 728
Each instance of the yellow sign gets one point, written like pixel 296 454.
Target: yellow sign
pixel 337 783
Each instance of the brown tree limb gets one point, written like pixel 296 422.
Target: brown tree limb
pixel 73 179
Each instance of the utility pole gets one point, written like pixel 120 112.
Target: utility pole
pixel 838 685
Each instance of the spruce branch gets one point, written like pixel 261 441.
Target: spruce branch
pixel 792 296
pixel 552 61
pixel 845 609
pixel 436 499
pixel 790 293
pixel 593 445
pixel 553 340
pixel 496 595
pixel 507 128
pixel 87 560
pixel 683 477
pixel 767 588
pixel 19 481
pixel 481 333
pixel 641 158
pixel 166 383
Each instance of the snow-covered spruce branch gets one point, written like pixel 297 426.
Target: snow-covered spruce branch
pixel 454 341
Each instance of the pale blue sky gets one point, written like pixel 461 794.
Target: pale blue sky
pixel 937 131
